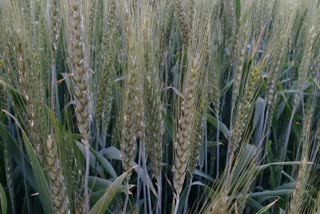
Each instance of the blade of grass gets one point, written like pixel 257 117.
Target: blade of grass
pixel 3 200
pixel 39 175
pixel 102 205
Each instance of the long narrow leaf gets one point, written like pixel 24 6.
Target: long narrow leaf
pixel 38 172
pixel 102 205
pixel 3 200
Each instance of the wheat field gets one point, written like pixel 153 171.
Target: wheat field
pixel 145 106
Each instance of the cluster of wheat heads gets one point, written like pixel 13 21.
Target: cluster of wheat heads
pixel 147 106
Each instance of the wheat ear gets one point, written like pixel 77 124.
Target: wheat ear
pixel 304 170
pixel 182 146
pixel 131 105
pixel 199 124
pixel 104 100
pixel 153 118
pixel 184 26
pixel 245 107
pixel 56 180
pixel 79 74
pixel 80 87
pixel 54 25
pixel 9 175
pixel 228 22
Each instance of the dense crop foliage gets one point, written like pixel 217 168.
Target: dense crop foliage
pixel 168 106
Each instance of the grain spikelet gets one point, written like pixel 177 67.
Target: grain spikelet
pixel 184 26
pixel 245 107
pixel 54 25
pixel 185 128
pixel 9 175
pixel 104 99
pixel 79 74
pixel 56 180
pixel 154 122
pixel 132 99
pixel 199 125
pixel 304 169
pixel 240 52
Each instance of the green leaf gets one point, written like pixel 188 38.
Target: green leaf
pixel 98 187
pixel 3 200
pixel 15 152
pixel 97 183
pixel 203 175
pixel 114 153
pixel 238 9
pixel 222 127
pixel 40 178
pixel 248 154
pixel 104 163
pixel 102 205
pixel 275 193
pixel 266 208
pixel 95 156
pixel 288 163
pixel 39 175
pixel 260 108
pixel 254 204
pixel 226 88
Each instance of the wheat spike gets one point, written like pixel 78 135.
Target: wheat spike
pixel 79 74
pixel 131 104
pixel 228 22
pixel 182 146
pixel 184 26
pixel 245 107
pixel 166 26
pixel 153 117
pixel 55 25
pixel 196 140
pixel 9 175
pixel 104 100
pixel 304 170
pixel 199 125
pixel 80 85
pixel 220 205
pixel 239 51
pixel 56 180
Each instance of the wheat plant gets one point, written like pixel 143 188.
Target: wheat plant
pixel 184 106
